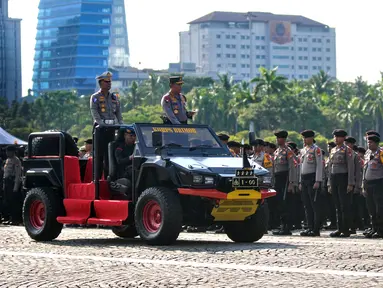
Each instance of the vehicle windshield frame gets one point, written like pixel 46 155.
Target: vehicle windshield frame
pixel 221 151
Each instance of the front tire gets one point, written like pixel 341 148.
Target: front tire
pixel 41 208
pixel 250 230
pixel 158 216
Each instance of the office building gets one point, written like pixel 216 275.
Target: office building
pixel 77 40
pixel 241 43
pixel 10 55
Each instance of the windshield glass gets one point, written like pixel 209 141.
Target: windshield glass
pixel 186 137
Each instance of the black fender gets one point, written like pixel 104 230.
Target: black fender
pixel 163 174
pixel 41 177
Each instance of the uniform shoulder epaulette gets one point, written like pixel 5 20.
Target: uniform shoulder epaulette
pixel 167 98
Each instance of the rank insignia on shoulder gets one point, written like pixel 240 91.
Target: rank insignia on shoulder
pixel 319 152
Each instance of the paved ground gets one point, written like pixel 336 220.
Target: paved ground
pixel 96 258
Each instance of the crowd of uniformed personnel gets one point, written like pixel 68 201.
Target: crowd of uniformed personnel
pixel 344 188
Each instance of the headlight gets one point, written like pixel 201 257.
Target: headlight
pixel 200 179
pixel 209 180
pixel 197 179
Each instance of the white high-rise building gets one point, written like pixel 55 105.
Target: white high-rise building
pixel 240 43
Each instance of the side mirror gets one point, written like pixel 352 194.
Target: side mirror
pixel 157 139
pixel 251 137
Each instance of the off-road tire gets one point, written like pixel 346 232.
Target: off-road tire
pixel 126 231
pixel 171 216
pixel 49 229
pixel 43 146
pixel 250 230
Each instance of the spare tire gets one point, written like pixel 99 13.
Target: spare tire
pixel 43 146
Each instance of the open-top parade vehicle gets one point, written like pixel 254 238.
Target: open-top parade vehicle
pixel 181 175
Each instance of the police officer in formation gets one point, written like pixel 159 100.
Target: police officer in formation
pixel 342 182
pixel 174 103
pixel 373 185
pixel 284 174
pixel 106 111
pixel 12 185
pixel 311 181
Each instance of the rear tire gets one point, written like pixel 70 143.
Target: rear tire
pixel 126 231
pixel 158 216
pixel 41 208
pixel 43 146
pixel 250 230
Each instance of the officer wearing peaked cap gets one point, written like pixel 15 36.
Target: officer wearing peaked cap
pixel 223 137
pixel 311 178
pixel 341 182
pixel 174 103
pixel 373 185
pixel 106 111
pixel 105 106
pixel 284 174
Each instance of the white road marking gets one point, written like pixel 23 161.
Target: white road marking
pixel 231 266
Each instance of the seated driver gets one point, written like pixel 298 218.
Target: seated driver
pixel 124 155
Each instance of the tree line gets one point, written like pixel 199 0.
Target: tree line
pixel 267 102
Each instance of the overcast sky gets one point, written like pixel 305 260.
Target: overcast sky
pixel 153 28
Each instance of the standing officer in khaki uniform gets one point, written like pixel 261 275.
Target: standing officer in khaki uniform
pixel 311 179
pixel 106 110
pixel 341 182
pixel 373 185
pixel 12 184
pixel 284 178
pixel 174 103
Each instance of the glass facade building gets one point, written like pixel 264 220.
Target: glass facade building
pixel 77 40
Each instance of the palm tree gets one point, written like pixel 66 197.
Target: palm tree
pixel 374 103
pixel 269 82
pixel 351 113
pixel 322 83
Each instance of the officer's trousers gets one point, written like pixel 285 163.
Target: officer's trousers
pixel 312 200
pixel 342 201
pixel 285 200
pixel 107 136
pixel 374 199
pixel 12 200
pixel 357 207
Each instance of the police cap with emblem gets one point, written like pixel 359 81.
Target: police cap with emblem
pixel 266 144
pixel 223 136
pixel 281 134
pixel 10 148
pixel 339 133
pixel 88 141
pixel 372 132
pixel 106 76
pixel 258 142
pixel 273 146
pixel 308 133
pixel 176 80
pixel 374 138
pixel 350 139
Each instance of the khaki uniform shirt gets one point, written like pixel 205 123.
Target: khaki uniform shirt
pixel 12 169
pixel 105 108
pixel 284 161
pixel 174 106
pixel 311 160
pixel 341 161
pixel 373 165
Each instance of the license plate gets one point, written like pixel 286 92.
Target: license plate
pixel 245 182
pixel 244 173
